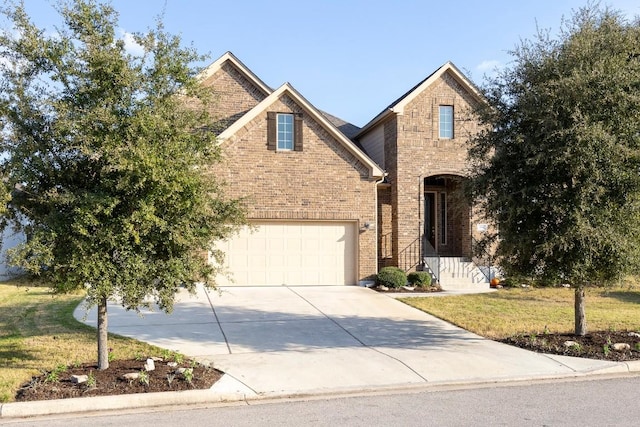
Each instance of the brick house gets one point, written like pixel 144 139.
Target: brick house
pixel 331 203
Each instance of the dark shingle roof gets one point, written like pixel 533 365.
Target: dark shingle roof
pixel 348 129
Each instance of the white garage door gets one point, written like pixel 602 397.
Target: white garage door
pixel 298 253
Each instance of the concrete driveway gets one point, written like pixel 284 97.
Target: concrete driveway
pixel 280 341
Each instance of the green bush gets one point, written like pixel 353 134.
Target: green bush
pixel 419 278
pixel 392 277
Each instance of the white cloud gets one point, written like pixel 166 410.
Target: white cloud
pixel 130 44
pixel 489 66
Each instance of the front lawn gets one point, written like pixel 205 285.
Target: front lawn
pixel 510 312
pixel 38 332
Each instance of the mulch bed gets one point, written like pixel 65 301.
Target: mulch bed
pixel 407 290
pixel 111 381
pixel 594 345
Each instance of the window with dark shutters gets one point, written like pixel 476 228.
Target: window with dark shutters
pixel 279 140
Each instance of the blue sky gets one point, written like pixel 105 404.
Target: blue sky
pixel 350 58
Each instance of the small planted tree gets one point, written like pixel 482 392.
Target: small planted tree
pixel 557 166
pixel 105 164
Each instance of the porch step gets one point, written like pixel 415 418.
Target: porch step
pixel 459 273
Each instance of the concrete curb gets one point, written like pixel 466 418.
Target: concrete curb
pixel 106 403
pixel 224 394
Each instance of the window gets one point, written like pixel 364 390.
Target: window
pixel 443 218
pixel 446 121
pixel 284 131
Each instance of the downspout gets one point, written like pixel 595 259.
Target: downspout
pixel 420 218
pixel 375 189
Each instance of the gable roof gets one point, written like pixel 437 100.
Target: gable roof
pixel 315 114
pixel 230 57
pixel 399 104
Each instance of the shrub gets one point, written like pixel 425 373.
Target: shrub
pixel 419 278
pixel 392 277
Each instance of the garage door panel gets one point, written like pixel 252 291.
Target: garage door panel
pixel 298 253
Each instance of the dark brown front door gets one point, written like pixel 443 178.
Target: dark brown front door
pixel 430 219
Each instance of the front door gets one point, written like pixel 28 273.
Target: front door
pixel 430 221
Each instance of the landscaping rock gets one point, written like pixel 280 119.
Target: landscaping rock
pixel 408 288
pixel 184 371
pixel 79 379
pixel 383 288
pixel 172 364
pixel 150 365
pixel 634 334
pixel 131 376
pixel 621 346
pixel 569 344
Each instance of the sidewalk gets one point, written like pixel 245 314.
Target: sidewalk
pixel 296 341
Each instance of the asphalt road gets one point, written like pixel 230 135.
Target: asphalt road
pixel 592 402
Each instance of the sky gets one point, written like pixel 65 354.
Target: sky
pixel 351 58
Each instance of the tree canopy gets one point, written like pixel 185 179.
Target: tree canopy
pixel 105 163
pixel 557 166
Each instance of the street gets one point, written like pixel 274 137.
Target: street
pixel 583 402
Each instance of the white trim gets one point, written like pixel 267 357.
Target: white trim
pixel 398 107
pixel 228 56
pixel 448 67
pixel 317 116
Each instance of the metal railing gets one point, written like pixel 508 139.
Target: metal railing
pixel 431 261
pixel 482 258
pixel 410 256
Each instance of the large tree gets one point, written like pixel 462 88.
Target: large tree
pixel 557 167
pixel 106 165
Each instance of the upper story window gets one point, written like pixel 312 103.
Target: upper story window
pixel 284 131
pixel 446 122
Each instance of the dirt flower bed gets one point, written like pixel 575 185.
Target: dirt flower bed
pixel 408 289
pixel 594 345
pixel 58 384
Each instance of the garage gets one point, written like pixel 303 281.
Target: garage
pixel 292 253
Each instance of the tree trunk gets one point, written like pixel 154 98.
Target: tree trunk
pixel 103 349
pixel 580 317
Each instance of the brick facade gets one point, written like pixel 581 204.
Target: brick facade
pixel 329 181
pixel 414 151
pixel 323 182
pixel 234 94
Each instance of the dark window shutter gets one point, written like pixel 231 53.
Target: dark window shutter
pixel 272 128
pixel 297 132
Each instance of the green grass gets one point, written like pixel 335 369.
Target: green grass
pixel 510 312
pixel 39 333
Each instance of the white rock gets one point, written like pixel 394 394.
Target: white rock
pixel 408 288
pixel 131 376
pixel 172 364
pixel 383 288
pixel 621 346
pixel 157 359
pixel 634 334
pixel 569 344
pixel 79 379
pixel 180 371
pixel 150 365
